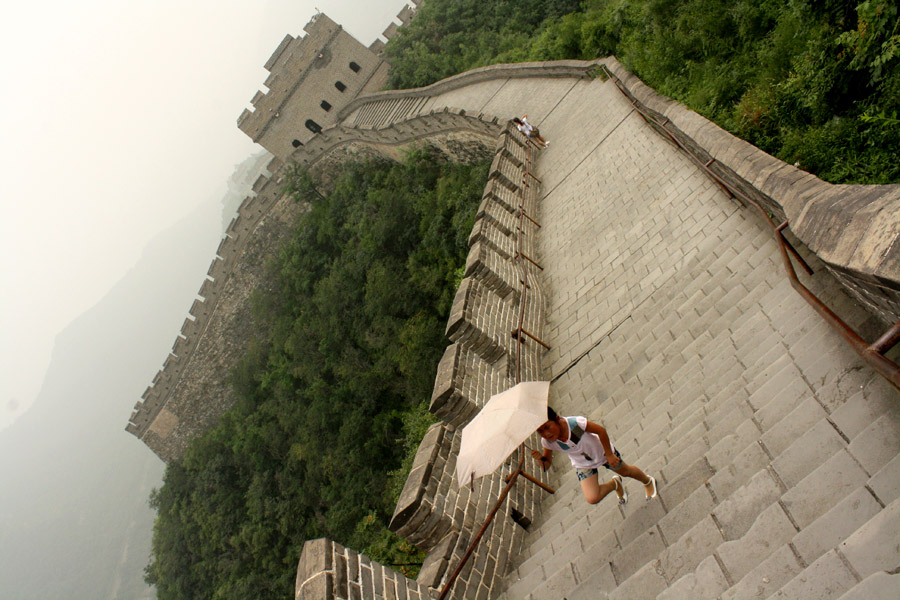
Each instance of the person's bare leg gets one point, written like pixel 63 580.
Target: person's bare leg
pixel 594 491
pixel 635 473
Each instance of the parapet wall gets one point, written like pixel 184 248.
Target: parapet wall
pixel 166 406
pixel 501 295
pixel 328 570
pixel 555 68
pixel 853 229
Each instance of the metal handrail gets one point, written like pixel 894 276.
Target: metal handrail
pixel 872 354
pixel 517 334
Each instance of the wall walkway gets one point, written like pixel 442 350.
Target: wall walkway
pixel 672 323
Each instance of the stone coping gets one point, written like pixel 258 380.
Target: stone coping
pixel 556 68
pixel 853 228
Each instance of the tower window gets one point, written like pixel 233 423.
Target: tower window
pixel 325 105
pixel 340 86
pixel 354 67
pixel 313 126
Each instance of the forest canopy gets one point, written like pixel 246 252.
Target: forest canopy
pixel 814 82
pixel 332 393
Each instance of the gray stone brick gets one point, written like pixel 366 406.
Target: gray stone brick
pixel 862 410
pixel 886 482
pixel 645 584
pixel 595 587
pixel 556 584
pixel 836 525
pixel 641 515
pixel 595 555
pixel 686 514
pixel 783 383
pixel 878 443
pixel 723 453
pixel 771 574
pixel 781 434
pixel 636 554
pixel 825 579
pixel 695 475
pixel 738 512
pixel 822 489
pixel 878 586
pixel 807 452
pixel 707 581
pixel 683 556
pixel 771 530
pixel 745 465
pixel 874 545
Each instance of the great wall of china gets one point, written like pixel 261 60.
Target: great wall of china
pixel 664 301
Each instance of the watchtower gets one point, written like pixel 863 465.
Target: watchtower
pixel 311 78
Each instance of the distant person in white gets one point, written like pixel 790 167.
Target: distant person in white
pixel 530 131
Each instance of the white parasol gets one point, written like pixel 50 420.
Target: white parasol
pixel 502 425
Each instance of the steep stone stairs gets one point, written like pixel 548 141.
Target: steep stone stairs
pixel 776 450
pixel 674 325
pixel 375 115
pixel 767 489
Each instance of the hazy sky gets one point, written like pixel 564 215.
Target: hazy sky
pixel 118 119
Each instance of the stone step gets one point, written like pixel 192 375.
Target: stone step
pixel 878 586
pixel 750 512
pixel 825 505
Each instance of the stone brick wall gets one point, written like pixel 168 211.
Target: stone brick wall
pixel 189 394
pixel 311 79
pixel 434 512
pixel 852 228
pixel 328 570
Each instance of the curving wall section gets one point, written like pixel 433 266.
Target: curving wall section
pixel 191 391
pixel 852 228
pixel 434 512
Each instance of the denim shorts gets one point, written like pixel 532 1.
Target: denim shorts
pixel 585 473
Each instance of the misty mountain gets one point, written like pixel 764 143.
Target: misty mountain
pixel 74 517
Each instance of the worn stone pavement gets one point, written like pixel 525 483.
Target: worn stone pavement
pixel 672 324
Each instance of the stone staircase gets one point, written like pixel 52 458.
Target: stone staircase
pixel 672 323
pixel 376 115
pixel 777 479
pixel 775 447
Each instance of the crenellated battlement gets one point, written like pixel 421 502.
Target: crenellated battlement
pixel 311 78
pixel 434 512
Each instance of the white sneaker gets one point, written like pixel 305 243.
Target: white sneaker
pixel 653 483
pixel 617 480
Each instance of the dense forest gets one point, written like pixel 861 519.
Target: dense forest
pixel 333 391
pixel 814 82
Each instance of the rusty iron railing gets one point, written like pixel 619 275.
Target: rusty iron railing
pixel 872 354
pixel 518 334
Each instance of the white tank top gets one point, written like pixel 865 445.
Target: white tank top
pixel 584 449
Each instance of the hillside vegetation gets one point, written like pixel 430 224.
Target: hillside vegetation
pixel 814 82
pixel 333 391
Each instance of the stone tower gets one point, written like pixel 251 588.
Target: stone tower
pixel 311 78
